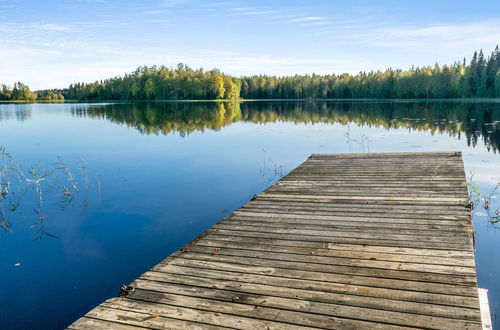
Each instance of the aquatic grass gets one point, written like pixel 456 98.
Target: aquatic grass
pixel 363 141
pixel 484 204
pixel 23 189
pixel 270 170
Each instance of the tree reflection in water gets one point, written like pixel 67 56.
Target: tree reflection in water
pixel 475 121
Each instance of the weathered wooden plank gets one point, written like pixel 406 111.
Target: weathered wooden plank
pixel 410 243
pixel 369 193
pixel 371 241
pixel 334 213
pixel 377 165
pixel 282 206
pixel 243 270
pixel 456 279
pixel 368 224
pixel 333 181
pixel 374 180
pixel 381 304
pixel 335 188
pixel 96 324
pixel 316 286
pixel 384 155
pixel 287 316
pixel 330 202
pixel 347 247
pixel 328 262
pixel 410 229
pixel 465 262
pixel 278 308
pixel 462 225
pixel 352 215
pixel 356 188
pixel 187 308
pixel 372 198
pixel 390 172
pixel 141 319
pixel 452 237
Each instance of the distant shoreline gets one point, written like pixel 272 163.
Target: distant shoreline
pixel 485 100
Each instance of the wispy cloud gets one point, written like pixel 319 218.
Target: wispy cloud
pixel 55 27
pixel 468 35
pixel 218 4
pixel 317 23
pixel 308 19
pixel 257 12
pixel 154 12
pixel 57 37
pixel 243 8
pixel 95 1
pixel 311 21
pixel 174 3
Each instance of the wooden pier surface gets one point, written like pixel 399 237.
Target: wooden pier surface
pixel 348 241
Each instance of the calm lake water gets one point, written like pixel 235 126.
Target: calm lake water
pixel 128 184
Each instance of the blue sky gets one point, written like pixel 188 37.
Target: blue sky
pixel 49 44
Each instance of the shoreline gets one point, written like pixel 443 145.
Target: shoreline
pixel 389 100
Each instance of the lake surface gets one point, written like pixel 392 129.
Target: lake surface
pixel 124 185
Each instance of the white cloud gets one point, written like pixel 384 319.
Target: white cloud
pixel 218 4
pixel 257 12
pixel 54 27
pixel 95 1
pixel 154 12
pixel 317 23
pixel 243 8
pixel 308 19
pixel 465 36
pixel 174 3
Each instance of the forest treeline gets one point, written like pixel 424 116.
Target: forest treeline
pixel 478 78
pixel 22 92
pixel 160 83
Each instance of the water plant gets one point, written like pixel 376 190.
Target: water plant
pixel 484 204
pixel 270 170
pixel 27 189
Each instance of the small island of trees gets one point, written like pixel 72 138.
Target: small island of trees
pixel 22 92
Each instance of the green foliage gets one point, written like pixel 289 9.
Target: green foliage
pixel 20 92
pixel 49 95
pixel 480 78
pixel 219 87
pixel 159 83
pixel 232 88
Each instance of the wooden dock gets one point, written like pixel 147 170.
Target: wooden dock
pixel 348 241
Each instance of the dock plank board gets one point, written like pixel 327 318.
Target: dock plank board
pixel 344 241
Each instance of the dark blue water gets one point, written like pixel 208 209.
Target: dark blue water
pixel 160 174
